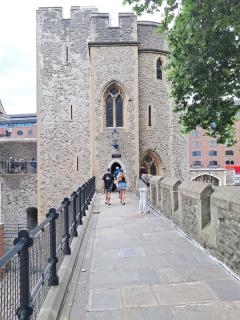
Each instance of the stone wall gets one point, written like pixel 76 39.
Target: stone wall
pixel 18 193
pixel 211 216
pixel 163 136
pixel 20 150
pixel 149 38
pixel 63 100
pixel 118 65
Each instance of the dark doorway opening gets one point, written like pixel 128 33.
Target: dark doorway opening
pixel 114 166
pixel 32 220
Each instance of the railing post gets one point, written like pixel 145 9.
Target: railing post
pixel 92 185
pixel 79 191
pixel 89 192
pixel 53 279
pixel 66 245
pixel 25 309
pixel 84 199
pixel 86 196
pixel 74 230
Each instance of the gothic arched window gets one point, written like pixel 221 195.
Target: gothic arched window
pixel 114 108
pixel 159 69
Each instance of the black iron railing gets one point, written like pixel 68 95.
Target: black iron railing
pixel 18 167
pixel 31 266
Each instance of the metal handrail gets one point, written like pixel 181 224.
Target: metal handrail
pixel 34 260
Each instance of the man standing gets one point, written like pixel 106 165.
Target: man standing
pixel 108 185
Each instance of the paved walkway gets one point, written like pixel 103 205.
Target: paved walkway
pixel 138 267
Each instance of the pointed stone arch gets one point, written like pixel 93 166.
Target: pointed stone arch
pixel 152 162
pixel 112 83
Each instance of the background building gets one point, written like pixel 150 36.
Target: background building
pixel 211 162
pixel 18 178
pixel 204 152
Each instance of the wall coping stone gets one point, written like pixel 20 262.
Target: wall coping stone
pixel 226 197
pixel 196 190
pixel 156 179
pixel 170 182
pixel 148 23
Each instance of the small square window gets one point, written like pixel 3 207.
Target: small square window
pixel 196 143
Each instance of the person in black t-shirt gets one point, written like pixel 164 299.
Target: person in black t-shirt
pixel 108 181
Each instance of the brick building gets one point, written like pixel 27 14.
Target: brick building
pixel 204 152
pixel 17 126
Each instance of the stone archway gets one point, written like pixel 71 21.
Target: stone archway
pixel 119 162
pixel 114 166
pixel 151 161
pixel 207 179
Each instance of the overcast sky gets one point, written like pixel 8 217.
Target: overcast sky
pixel 17 46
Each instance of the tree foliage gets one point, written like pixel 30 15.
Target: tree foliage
pixel 204 63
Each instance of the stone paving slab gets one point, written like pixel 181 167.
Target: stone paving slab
pixel 142 268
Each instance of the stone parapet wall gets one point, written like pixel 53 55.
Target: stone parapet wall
pixel 211 216
pixel 18 150
pixel 225 226
pixel 101 31
pixel 149 38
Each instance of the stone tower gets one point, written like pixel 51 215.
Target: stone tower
pixel 92 78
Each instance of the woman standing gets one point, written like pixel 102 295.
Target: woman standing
pixel 143 184
pixel 122 186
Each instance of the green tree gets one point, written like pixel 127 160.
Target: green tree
pixel 204 63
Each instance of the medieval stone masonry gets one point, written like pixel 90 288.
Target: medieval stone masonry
pixel 92 78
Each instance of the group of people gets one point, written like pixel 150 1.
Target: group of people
pixel 112 182
pixel 16 165
pixel 117 181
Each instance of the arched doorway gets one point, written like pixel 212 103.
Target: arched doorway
pixel 32 220
pixel 114 166
pixel 151 161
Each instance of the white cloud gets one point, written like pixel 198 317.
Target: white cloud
pixel 17 49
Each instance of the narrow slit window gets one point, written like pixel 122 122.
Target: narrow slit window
pixel 66 53
pixel 71 112
pixel 159 69
pixel 149 116
pixel 77 164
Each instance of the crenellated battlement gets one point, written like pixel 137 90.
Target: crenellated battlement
pixel 54 27
pixel 52 23
pixel 101 30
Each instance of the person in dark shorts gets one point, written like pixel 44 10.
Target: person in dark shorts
pixel 108 181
